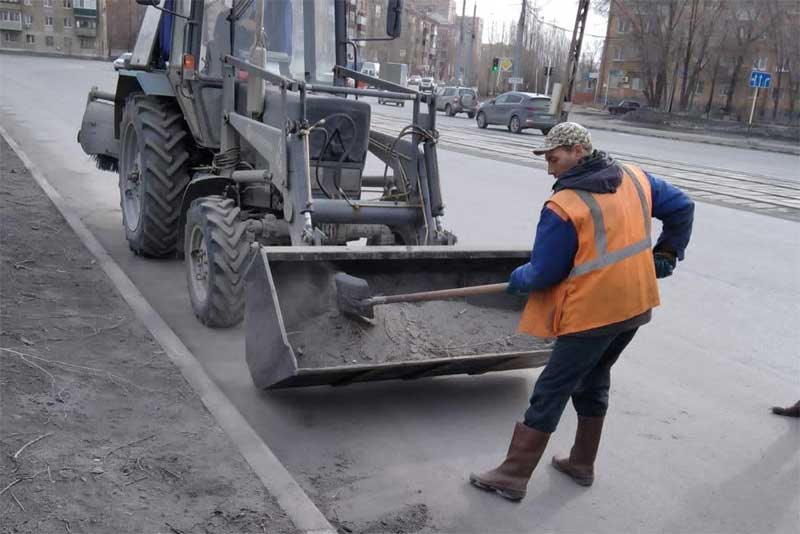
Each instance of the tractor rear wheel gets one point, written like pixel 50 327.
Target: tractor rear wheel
pixel 216 250
pixel 153 173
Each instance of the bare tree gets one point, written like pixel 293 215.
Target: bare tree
pixel 782 39
pixel 746 20
pixel 654 25
pixel 708 30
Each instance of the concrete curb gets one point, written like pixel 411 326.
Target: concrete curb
pixel 711 141
pixel 290 496
pixel 32 53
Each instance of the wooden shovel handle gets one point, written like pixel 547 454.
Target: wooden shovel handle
pixel 441 294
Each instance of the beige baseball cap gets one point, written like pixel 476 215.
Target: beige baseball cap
pixel 565 134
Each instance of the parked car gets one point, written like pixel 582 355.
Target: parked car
pixel 624 107
pixel 427 85
pixel 415 80
pixel 453 100
pixel 518 111
pixel 122 61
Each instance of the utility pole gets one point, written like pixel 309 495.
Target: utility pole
pixel 549 68
pixel 518 49
pixel 460 41
pixel 471 69
pixel 563 96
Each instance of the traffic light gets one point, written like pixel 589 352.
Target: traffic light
pixel 496 64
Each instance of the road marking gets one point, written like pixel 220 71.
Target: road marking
pixel 279 482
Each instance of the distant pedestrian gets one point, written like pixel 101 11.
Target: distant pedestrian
pixel 789 411
pixel 591 282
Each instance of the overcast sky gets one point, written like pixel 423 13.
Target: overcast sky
pixel 562 12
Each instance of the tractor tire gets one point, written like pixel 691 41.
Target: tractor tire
pixel 153 173
pixel 216 251
pixel 482 122
pixel 514 125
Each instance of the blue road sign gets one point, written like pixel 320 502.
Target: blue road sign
pixel 759 78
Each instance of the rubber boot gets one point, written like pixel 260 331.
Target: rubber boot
pixel 791 411
pixel 510 478
pixel 579 466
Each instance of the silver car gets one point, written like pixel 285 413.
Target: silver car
pixel 122 61
pixel 427 85
pixel 454 100
pixel 517 111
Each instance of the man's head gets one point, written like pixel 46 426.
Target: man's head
pixel 564 146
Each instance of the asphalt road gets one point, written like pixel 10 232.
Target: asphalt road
pixel 690 445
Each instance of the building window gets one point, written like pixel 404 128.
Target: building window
pixel 86 23
pixel 27 2
pixel 87 42
pixel 13 16
pixel 48 3
pixel 68 3
pixel 623 25
pixel 85 4
pixel 48 21
pixel 28 20
pixel 760 63
pixel 10 37
pixel 725 90
pixel 49 40
pixel 30 39
pixel 617 53
pixel 67 22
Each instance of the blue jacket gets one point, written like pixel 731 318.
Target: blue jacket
pixel 556 241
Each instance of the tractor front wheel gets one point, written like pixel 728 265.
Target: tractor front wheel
pixel 216 251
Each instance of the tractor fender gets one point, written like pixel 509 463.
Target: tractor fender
pixel 130 81
pixel 202 186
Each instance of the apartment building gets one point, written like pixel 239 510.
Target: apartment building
pixel 79 28
pixel 621 78
pixel 68 27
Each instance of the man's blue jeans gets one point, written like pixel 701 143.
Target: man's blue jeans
pixel 580 368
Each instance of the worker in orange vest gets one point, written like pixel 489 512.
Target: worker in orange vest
pixel 590 283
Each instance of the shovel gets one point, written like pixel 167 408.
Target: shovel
pixel 354 297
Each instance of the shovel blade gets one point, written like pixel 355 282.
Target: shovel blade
pixel 352 295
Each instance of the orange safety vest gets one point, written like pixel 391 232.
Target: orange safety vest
pixel 613 277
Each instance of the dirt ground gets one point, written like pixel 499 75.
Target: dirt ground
pixel 410 331
pixel 99 432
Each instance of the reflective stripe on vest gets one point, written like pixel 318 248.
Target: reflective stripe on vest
pixel 605 258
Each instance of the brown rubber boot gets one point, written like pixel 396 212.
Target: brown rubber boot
pixel 580 464
pixel 790 411
pixel 510 478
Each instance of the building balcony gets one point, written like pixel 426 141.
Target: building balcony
pixel 83 12
pixel 11 5
pixel 12 25
pixel 85 32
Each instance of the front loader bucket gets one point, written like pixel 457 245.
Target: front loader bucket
pixel 296 335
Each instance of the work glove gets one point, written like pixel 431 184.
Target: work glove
pixel 514 283
pixel 665 264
